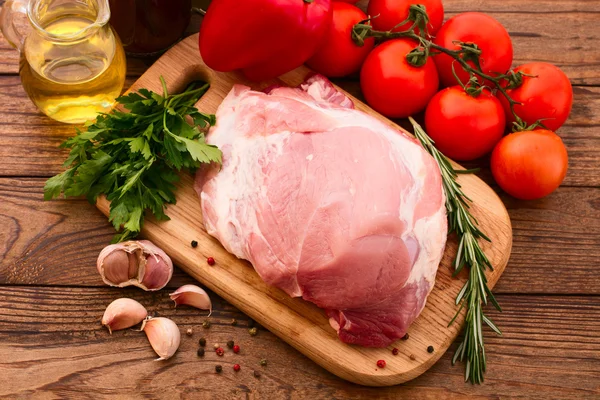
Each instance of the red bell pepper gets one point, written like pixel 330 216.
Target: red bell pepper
pixel 263 38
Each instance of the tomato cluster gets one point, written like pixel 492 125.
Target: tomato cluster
pixel 467 119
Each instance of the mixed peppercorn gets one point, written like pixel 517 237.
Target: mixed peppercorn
pixel 253 330
pixel 235 348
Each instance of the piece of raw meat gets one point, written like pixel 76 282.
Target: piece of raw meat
pixel 327 203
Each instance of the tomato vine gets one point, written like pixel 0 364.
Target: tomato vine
pixel 427 48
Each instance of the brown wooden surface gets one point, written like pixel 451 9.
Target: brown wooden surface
pixel 51 298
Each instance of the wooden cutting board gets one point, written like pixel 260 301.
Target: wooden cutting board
pixel 299 323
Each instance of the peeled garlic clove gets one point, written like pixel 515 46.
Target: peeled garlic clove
pixel 138 263
pixel 193 296
pixel 123 313
pixel 163 335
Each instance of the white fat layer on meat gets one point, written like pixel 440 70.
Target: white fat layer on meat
pixel 240 174
pixel 430 236
pixel 236 184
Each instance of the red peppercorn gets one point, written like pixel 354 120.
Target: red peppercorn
pixel 220 351
pixel 236 349
pixel 395 351
pixel 381 363
pixel 210 261
pixel 236 367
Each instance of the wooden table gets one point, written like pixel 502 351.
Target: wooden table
pixel 52 299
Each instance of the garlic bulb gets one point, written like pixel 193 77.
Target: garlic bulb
pixel 163 335
pixel 123 313
pixel 192 295
pixel 138 263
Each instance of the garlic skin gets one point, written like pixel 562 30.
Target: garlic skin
pixel 123 313
pixel 192 295
pixel 139 263
pixel 163 335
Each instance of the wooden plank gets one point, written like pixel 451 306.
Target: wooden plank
pixel 562 32
pixel 52 243
pixel 53 346
pixel 299 323
pixel 29 140
pixel 57 243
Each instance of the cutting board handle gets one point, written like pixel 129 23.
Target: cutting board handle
pixel 188 67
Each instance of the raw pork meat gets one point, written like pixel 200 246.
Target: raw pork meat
pixel 327 203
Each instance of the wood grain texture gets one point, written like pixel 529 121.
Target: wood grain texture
pixel 57 242
pixel 52 243
pixel 53 346
pixel 550 343
pixel 29 140
pixel 300 323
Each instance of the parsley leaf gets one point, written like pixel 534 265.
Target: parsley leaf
pixel 134 157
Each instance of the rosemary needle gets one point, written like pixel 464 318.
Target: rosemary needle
pixel 475 291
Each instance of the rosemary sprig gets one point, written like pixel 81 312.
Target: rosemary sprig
pixel 475 293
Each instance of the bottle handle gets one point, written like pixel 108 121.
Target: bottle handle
pixel 7 25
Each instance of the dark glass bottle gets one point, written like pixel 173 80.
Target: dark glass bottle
pixel 148 27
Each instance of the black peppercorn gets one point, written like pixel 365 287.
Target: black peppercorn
pixel 252 331
pixel 230 344
pixel 430 349
pixel 202 342
pixel 194 243
pixel 234 322
pixel 206 324
pixel 219 369
pixel 405 337
pixel 201 352
pixel 257 374
pixel 263 362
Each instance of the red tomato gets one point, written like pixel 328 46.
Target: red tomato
pixel 546 95
pixel 391 85
pixel 339 55
pixel 529 165
pixel 392 12
pixel 347 1
pixel 481 29
pixel 464 127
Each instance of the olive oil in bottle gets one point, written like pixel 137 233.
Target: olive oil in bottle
pixel 73 70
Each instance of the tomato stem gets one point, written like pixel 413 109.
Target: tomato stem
pixel 467 52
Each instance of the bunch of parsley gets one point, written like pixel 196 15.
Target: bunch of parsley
pixel 133 157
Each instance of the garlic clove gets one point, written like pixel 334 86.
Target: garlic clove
pixel 116 264
pixel 138 263
pixel 163 335
pixel 123 313
pixel 192 295
pixel 133 266
pixel 156 268
pixel 155 273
